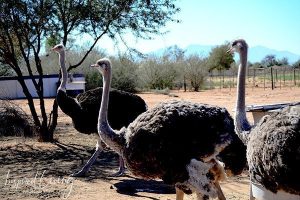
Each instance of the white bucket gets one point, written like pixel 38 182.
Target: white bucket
pixel 261 193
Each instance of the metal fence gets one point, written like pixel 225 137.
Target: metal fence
pixel 271 77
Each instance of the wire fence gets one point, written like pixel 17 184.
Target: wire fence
pixel 276 77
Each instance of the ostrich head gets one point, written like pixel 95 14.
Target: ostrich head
pixel 238 46
pixel 58 48
pixel 103 65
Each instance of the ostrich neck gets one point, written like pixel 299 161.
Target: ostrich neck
pixel 240 103
pixel 64 72
pixel 242 125
pixel 107 134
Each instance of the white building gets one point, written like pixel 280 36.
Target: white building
pixel 11 89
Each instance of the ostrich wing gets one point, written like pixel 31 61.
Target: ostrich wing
pixel 68 105
pixel 123 107
pixel 168 136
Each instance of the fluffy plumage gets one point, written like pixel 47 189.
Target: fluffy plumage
pixel 161 142
pixel 274 152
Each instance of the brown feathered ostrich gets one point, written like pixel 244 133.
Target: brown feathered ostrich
pixel 84 110
pixel 180 142
pixel 273 145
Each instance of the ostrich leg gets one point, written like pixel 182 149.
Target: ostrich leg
pixel 219 191
pixel 88 165
pixel 121 170
pixel 251 192
pixel 179 194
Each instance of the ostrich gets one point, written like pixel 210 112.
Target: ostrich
pixel 84 110
pixel 180 142
pixel 273 151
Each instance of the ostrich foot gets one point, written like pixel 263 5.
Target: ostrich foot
pixel 179 194
pixel 87 166
pixel 121 170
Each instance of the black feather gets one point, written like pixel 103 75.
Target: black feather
pixel 124 107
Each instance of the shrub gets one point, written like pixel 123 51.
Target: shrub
pixel 156 74
pixel 14 121
pixel 196 71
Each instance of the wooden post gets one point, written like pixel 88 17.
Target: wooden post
pixel 264 78
pixel 280 80
pixel 295 83
pixel 220 76
pixel 184 83
pixel 253 78
pixel 272 82
pixel 284 76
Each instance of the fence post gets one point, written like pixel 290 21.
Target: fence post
pixel 272 82
pixel 220 77
pixel 264 78
pixel 284 75
pixel 295 83
pixel 280 78
pixel 184 83
pixel 254 78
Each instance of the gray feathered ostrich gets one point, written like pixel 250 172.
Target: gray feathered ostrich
pixel 178 141
pixel 84 110
pixel 273 145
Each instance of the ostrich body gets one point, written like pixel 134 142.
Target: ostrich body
pixel 84 110
pixel 273 151
pixel 178 141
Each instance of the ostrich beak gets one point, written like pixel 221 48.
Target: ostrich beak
pixel 230 50
pixel 94 65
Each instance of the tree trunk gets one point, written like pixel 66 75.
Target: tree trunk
pixel 45 135
pixel 45 132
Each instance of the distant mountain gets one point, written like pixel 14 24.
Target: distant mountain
pixel 256 53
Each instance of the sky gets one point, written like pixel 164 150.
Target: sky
pixel 271 23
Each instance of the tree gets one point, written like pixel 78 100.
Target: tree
pixel 219 58
pixel 269 60
pixel 26 24
pixel 255 65
pixel 296 64
pixel 196 71
pixel 283 62
pixel 5 71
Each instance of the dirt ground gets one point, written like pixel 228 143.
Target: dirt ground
pixel 33 170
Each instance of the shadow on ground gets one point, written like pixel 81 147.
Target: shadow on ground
pixel 133 186
pixel 57 159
